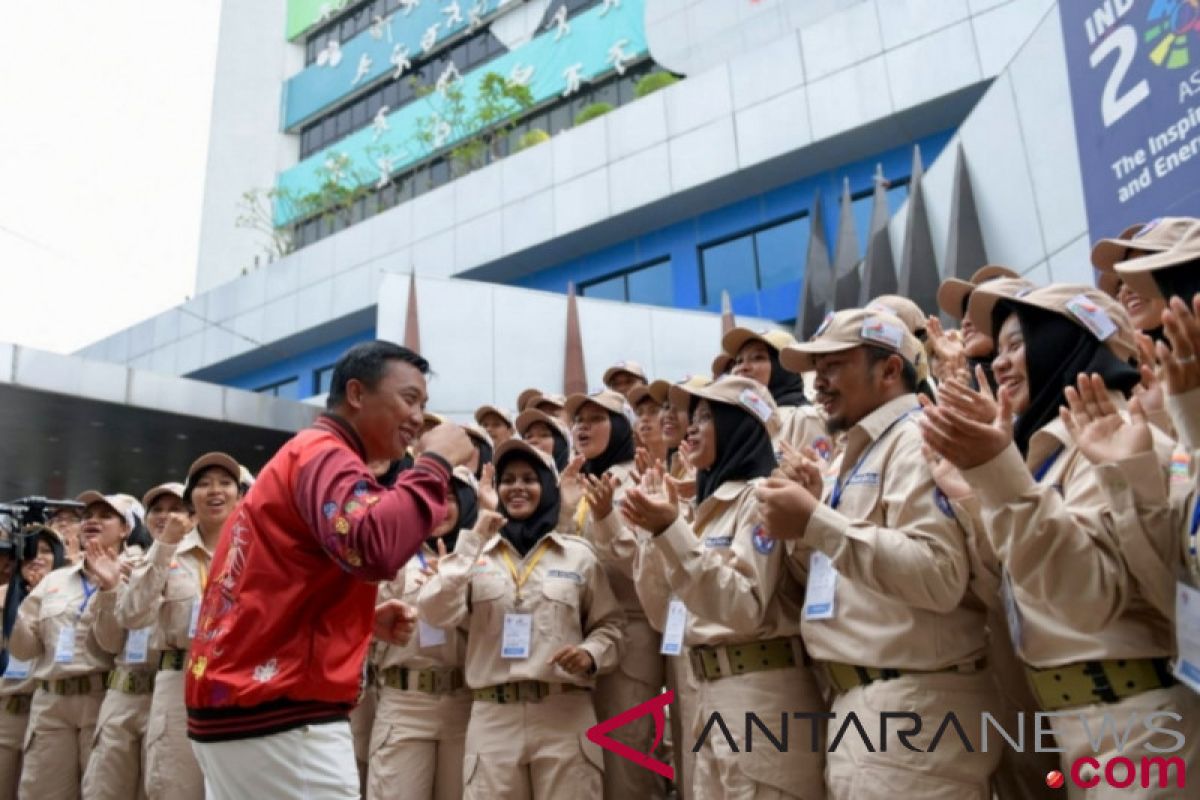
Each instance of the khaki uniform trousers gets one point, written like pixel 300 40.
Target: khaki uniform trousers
pixel 683 713
pixel 171 769
pixel 58 743
pixel 362 720
pixel 115 769
pixel 12 740
pixel 638 678
pixel 1073 738
pixel 948 773
pixel 760 772
pixel 533 751
pixel 417 745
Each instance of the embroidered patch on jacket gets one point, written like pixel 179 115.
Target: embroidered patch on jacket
pixel 267 671
pixel 823 447
pixel 341 525
pixel 565 575
pixel 763 543
pixel 361 488
pixel 1180 465
pixel 943 502
pixel 718 541
pixel 329 509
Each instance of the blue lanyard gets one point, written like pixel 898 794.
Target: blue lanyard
pixel 1196 516
pixel 835 498
pixel 88 591
pixel 1041 471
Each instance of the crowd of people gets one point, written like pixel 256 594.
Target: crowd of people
pixel 896 516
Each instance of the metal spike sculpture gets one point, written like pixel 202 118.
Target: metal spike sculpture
pixel 919 276
pixel 574 373
pixel 847 282
pixel 965 250
pixel 816 292
pixel 879 268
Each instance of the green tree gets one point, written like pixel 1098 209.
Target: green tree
pixel 474 128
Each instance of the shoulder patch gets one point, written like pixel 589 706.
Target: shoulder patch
pixel 762 543
pixel 329 509
pixel 823 447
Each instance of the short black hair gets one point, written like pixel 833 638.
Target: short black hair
pixel 366 362
pixel 908 375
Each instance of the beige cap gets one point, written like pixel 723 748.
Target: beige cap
pixel 906 310
pixel 954 291
pixel 464 475
pixel 532 415
pixel 855 327
pixel 555 401
pixel 639 393
pixel 476 432
pixel 745 393
pixel 502 413
pixel 524 447
pixel 431 421
pixel 1155 236
pixel 737 338
pixel 721 364
pixel 1137 271
pixel 659 390
pixel 632 367
pixel 607 399
pixel 1087 306
pixel 526 398
pixel 129 508
pixel 158 491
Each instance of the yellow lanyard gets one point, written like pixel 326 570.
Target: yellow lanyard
pixel 202 568
pixel 581 514
pixel 529 565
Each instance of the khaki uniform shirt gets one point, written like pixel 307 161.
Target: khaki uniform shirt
pixel 731 577
pixel 109 632
pixel 59 603
pixel 1070 596
pixel 163 589
pixel 804 426
pixel 1185 413
pixel 900 598
pixel 417 654
pixel 617 566
pixel 566 592
pixel 11 686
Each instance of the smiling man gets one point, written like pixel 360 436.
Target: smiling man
pixel 289 610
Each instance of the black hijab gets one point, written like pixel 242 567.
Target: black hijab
pixel 17 588
pixel 1057 351
pixel 468 511
pixel 485 455
pixel 744 450
pixel 525 533
pixel 1181 280
pixel 620 446
pixel 785 386
pixel 388 479
pixel 562 449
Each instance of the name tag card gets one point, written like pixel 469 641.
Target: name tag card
pixel 1012 613
pixel 64 650
pixel 16 670
pixel 429 636
pixel 1187 635
pixel 195 620
pixel 822 585
pixel 137 643
pixel 518 630
pixel 672 641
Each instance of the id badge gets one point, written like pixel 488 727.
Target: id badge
pixel 429 636
pixel 64 649
pixel 194 622
pixel 137 643
pixel 17 670
pixel 1187 635
pixel 1012 613
pixel 518 630
pixel 821 588
pixel 672 640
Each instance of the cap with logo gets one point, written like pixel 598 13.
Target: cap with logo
pixel 503 413
pixel 744 393
pixel 431 421
pixel 855 327
pixel 904 309
pixel 607 399
pixel 522 446
pixel 129 509
pixel 531 415
pixel 952 293
pixel 223 460
pixel 639 393
pixel 736 339
pixel 631 367
pixel 1156 236
pixel 1086 306
pixel 170 488
pixel 1138 272
pixel 721 364
pixel 477 433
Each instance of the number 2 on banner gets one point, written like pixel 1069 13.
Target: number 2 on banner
pixel 1113 106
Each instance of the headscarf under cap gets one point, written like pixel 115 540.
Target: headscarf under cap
pixel 525 533
pixel 744 449
pixel 620 447
pixel 786 387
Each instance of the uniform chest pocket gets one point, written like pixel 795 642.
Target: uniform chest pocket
pixel 557 612
pixel 54 609
pixel 561 590
pixel 487 589
pixel 180 586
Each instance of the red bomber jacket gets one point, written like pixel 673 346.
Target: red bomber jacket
pixel 289 610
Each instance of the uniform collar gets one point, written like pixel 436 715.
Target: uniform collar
pixel 192 541
pixel 341 428
pixel 879 420
pixel 725 494
pixel 498 541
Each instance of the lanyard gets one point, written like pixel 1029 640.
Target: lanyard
pixel 530 564
pixel 1195 520
pixel 202 569
pixel 88 591
pixel 1046 465
pixel 835 498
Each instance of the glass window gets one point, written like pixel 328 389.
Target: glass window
pixel 322 378
pixel 560 118
pixel 477 50
pixel 861 207
pixel 651 285
pixel 728 266
pixel 289 389
pixel 611 289
pixel 782 250
pixel 358 114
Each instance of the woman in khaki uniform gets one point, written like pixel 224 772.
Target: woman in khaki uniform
pixel 44 553
pixel 541 622
pixel 54 631
pixel 115 769
pixel 731 598
pixel 164 594
pixel 421 717
pixel 756 356
pixel 547 434
pixel 604 439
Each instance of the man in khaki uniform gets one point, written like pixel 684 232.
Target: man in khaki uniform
pixel 540 626
pixel 887 614
pixel 623 376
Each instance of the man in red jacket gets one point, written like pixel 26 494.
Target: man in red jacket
pixel 288 612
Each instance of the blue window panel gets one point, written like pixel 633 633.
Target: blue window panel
pixel 862 221
pixel 897 195
pixel 611 289
pixel 729 266
pixel 652 285
pixel 782 250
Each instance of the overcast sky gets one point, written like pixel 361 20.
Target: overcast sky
pixel 105 110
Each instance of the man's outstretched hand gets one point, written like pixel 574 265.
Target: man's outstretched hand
pixel 395 622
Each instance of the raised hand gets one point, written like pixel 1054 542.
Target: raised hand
pixel 570 484
pixel 1098 428
pixel 573 660
pixel 956 434
pixel 1182 328
pixel 653 505
pixel 395 622
pixel 599 493
pixel 178 524
pixel 785 507
pixel 801 466
pixel 1150 390
pixel 488 498
pixel 947 478
pixel 430 565
pixel 948 349
pixel 102 564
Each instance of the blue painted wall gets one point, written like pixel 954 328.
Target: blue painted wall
pixel 300 367
pixel 682 241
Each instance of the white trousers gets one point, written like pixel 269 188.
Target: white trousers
pixel 310 763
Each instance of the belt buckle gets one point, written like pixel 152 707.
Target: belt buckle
pixel 502 693
pixel 427 681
